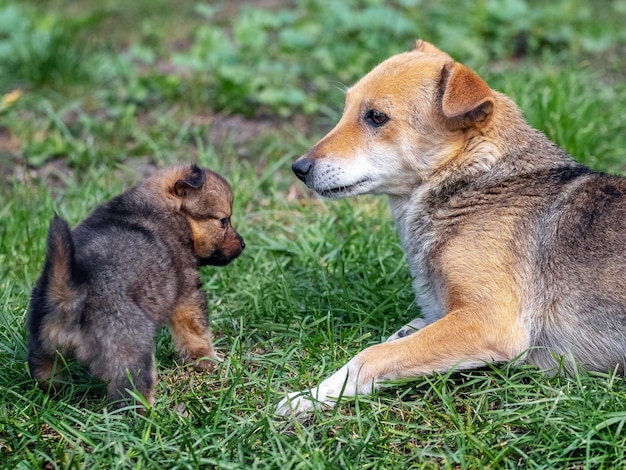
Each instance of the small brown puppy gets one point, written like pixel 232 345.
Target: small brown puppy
pixel 518 251
pixel 131 267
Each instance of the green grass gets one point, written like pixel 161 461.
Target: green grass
pixel 110 89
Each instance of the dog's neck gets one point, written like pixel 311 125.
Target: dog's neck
pixel 471 154
pixel 506 141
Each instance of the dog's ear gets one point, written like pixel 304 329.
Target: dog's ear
pixel 466 100
pixel 192 180
pixel 427 48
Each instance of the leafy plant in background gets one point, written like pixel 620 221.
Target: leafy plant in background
pixel 285 61
pixel 37 51
pixel 288 60
pixel 42 57
pixel 263 61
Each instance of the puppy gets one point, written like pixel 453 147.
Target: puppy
pixel 131 267
pixel 517 251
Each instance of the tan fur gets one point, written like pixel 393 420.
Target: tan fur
pixel 193 340
pixel 60 290
pixel 493 218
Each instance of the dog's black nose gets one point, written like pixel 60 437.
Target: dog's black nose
pixel 302 167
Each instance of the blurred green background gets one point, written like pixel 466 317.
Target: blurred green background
pixel 104 71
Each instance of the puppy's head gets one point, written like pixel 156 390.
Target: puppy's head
pixel 206 199
pixel 408 116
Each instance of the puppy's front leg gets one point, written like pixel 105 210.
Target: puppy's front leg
pixel 192 336
pixel 462 339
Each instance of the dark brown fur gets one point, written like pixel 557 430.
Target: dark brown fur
pixel 130 268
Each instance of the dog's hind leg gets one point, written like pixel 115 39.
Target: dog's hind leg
pixel 45 362
pixel 192 336
pixel 462 339
pixel 123 357
pixel 45 367
pixel 137 373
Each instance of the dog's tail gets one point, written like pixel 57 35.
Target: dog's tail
pixel 60 267
pixel 54 298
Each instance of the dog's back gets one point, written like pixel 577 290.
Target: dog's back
pixel 577 267
pixel 134 253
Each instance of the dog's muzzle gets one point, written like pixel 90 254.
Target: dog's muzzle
pixel 302 167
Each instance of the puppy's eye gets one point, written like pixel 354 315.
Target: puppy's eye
pixel 224 222
pixel 376 118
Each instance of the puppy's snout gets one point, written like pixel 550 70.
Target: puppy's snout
pixel 302 167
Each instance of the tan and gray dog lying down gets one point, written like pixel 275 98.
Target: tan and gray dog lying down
pixel 518 251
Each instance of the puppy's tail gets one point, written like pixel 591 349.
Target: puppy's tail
pixel 60 267
pixel 54 298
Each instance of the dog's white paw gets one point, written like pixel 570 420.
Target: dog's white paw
pixel 297 403
pixel 346 382
pixel 408 329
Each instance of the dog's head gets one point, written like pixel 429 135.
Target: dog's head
pixel 205 199
pixel 402 121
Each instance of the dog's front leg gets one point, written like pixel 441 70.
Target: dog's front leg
pixel 462 339
pixel 345 382
pixel 191 333
pixel 408 329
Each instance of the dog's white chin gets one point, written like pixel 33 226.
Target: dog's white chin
pixel 339 192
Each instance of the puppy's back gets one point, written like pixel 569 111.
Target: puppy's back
pixel 132 259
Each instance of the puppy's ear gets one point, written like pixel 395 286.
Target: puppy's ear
pixel 194 179
pixel 466 100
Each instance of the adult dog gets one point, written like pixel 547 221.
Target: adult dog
pixel 518 252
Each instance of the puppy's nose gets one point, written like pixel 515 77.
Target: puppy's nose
pixel 241 242
pixel 302 167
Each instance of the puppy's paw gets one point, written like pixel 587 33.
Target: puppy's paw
pixel 408 329
pixel 206 363
pixel 298 403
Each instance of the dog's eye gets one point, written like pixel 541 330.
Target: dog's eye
pixel 224 222
pixel 376 118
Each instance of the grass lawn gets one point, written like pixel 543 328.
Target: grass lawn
pixel 96 94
